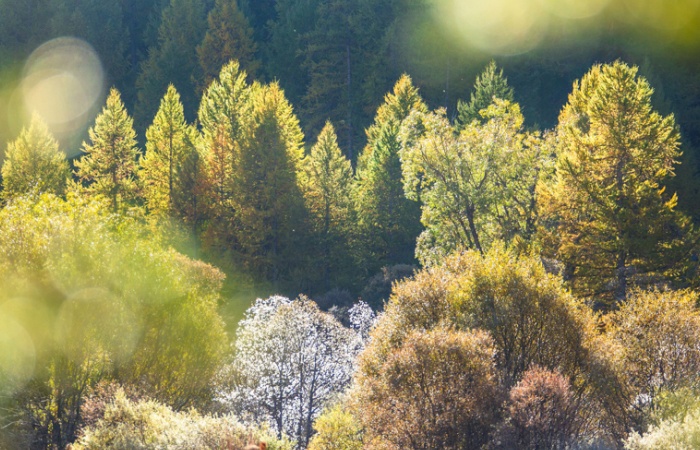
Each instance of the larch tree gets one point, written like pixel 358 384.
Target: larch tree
pixel 327 183
pixel 489 85
pixel 224 112
pixel 389 221
pixel 168 143
pixel 606 215
pixel 268 203
pixel 228 37
pixel 109 165
pixel 33 163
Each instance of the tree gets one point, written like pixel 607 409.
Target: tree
pixel 475 187
pixel 326 182
pixel 606 215
pixel 109 164
pixel 656 333
pixel 267 199
pixel 386 218
pixel 228 37
pixel 169 142
pixel 289 360
pixel 439 389
pixel 33 163
pixel 490 85
pixel 337 429
pixel 173 60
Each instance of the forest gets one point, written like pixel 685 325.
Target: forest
pixel 346 225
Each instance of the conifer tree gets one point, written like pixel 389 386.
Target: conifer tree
pixel 228 37
pixel 223 114
pixel 266 197
pixel 33 163
pixel 489 85
pixel 388 221
pixel 606 214
pixel 109 165
pixel 327 182
pixel 168 142
pixel 173 59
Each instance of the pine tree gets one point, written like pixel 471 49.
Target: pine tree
pixel 327 182
pixel 606 214
pixel 168 142
pixel 109 165
pixel 387 219
pixel 489 85
pixel 33 163
pixel 228 37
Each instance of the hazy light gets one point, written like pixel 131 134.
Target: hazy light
pixel 63 80
pixel 670 15
pixel 575 9
pixel 496 26
pixel 17 353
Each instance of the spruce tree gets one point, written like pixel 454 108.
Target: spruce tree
pixel 33 163
pixel 489 85
pixel 327 183
pixel 228 37
pixel 388 221
pixel 606 214
pixel 109 164
pixel 169 141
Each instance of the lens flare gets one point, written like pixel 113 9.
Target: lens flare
pixel 575 9
pixel 63 81
pixel 495 26
pixel 17 353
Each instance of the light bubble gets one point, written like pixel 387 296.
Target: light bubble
pixel 17 354
pixel 504 27
pixel 575 9
pixel 94 321
pixel 63 81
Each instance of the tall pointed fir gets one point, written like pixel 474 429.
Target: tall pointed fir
pixel 327 183
pixel 606 215
pixel 228 37
pixel 268 203
pixel 169 143
pixel 223 114
pixel 33 163
pixel 489 85
pixel 387 220
pixel 109 164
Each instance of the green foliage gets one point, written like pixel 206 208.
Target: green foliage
pixel 326 182
pixel 476 187
pixel 683 433
pixel 490 85
pixel 33 163
pixel 109 165
pixel 147 424
pixel 387 220
pixel 337 429
pixel 170 143
pixel 96 297
pixel 228 37
pixel 606 215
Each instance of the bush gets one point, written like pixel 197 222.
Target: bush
pixel 147 424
